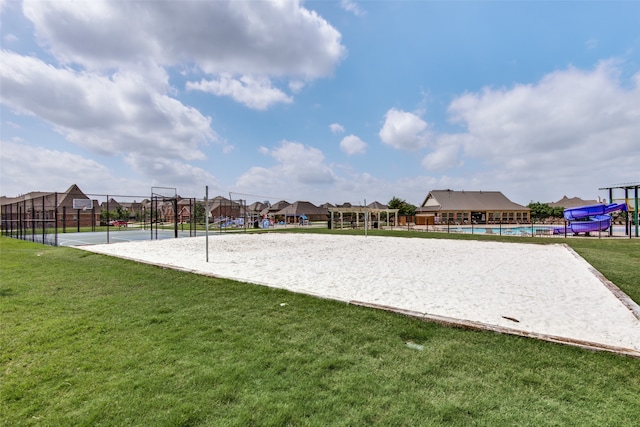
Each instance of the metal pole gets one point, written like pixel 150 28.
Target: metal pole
pixel 206 220
pixel 108 226
pixel 175 217
pixel 151 215
pixel 33 221
pixel 55 207
pixel 43 224
pixel 636 210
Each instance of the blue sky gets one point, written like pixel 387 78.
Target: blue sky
pixel 324 101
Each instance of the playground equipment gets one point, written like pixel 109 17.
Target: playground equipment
pixel 586 219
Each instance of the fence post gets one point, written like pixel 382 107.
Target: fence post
pixel 43 224
pixel 55 214
pixel 33 220
pixel 175 217
pixel 206 220
pixel 108 219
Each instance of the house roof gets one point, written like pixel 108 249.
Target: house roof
pixel 299 208
pixel 221 202
pixel 64 199
pixel 573 202
pixel 377 205
pixel 256 207
pixel 113 204
pixel 278 206
pixel 450 200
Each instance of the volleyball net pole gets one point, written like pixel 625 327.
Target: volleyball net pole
pixel 206 220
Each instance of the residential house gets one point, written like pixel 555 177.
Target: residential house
pixel 573 202
pixel 71 208
pixel 466 207
pixel 303 211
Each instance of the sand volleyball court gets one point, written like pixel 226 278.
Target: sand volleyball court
pixel 541 291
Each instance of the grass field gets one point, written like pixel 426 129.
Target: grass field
pixel 92 340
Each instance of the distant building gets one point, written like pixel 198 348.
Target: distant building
pixel 573 202
pixel 36 208
pixel 271 210
pixel 301 209
pixel 466 207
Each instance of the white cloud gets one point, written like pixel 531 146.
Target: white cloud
pixel 190 180
pixel 298 167
pixel 256 93
pixel 3 5
pixel 119 115
pixel 237 37
pixel 53 169
pixel 351 6
pixel 584 123
pixel 444 156
pixel 305 164
pixel 404 131
pixel 10 38
pixel 351 144
pixel 336 128
pixel 296 86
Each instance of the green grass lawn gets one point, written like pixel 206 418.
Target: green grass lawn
pixel 92 340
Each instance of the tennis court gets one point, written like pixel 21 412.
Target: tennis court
pixel 115 236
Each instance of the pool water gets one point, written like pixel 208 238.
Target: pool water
pixel 506 231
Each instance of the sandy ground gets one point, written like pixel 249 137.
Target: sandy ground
pixel 545 291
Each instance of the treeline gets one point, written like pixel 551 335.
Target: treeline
pixel 544 211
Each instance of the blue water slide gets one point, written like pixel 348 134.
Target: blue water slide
pixel 585 219
pixel 582 212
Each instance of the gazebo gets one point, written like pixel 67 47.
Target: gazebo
pixel 367 213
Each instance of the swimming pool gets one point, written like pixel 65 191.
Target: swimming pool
pixel 523 230
pixel 536 230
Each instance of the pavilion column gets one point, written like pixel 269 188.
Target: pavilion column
pixel 611 201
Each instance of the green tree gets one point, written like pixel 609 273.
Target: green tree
pixel 557 212
pixel 543 211
pixel 403 207
pixel 199 212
